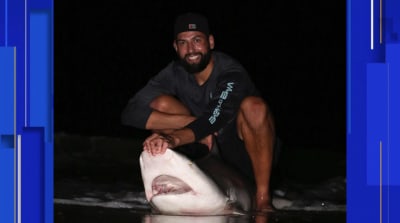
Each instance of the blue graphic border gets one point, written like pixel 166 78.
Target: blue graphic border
pixel 369 198
pixel 373 33
pixel 26 133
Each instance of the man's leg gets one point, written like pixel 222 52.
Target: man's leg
pixel 256 129
pixel 168 114
pixel 170 105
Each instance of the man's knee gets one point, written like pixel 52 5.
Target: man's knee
pixel 169 104
pixel 254 108
pixel 161 103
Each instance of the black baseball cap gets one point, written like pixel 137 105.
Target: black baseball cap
pixel 191 22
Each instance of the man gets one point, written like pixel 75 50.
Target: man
pixel 207 97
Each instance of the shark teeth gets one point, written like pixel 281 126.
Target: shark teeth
pixel 165 184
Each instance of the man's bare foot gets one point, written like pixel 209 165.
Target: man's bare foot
pixel 264 203
pixel 261 219
pixel 265 209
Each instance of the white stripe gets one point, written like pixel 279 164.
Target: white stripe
pixel 25 68
pixel 15 133
pixel 372 24
pixel 19 179
pixel 388 139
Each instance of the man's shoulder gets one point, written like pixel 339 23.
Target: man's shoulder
pixel 226 61
pixel 224 57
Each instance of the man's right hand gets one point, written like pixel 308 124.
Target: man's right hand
pixel 157 143
pixel 208 141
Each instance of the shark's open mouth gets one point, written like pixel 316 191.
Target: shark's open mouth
pixel 165 184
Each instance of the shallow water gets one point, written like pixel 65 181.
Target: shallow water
pixel 89 214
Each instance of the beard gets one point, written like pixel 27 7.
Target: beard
pixel 196 67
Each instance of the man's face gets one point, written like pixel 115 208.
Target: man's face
pixel 194 50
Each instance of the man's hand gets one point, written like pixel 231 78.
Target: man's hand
pixel 158 143
pixel 208 141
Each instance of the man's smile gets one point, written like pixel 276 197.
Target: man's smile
pixel 193 58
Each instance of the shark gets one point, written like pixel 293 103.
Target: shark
pixel 177 185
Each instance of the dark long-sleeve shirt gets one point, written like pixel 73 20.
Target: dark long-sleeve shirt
pixel 214 103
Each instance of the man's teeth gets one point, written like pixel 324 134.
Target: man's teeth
pixel 193 57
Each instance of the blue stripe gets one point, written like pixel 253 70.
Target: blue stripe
pixel 40 104
pixel 32 164
pixel 6 185
pixel 39 79
pixel 5 22
pixel 6 90
pixel 348 41
pixel 393 58
pixel 377 110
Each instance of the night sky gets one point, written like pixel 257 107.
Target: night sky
pixel 294 51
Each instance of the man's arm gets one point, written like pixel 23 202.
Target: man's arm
pixel 224 105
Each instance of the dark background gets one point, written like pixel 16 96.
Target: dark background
pixel 295 52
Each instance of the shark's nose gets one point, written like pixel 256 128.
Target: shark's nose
pixel 148 157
